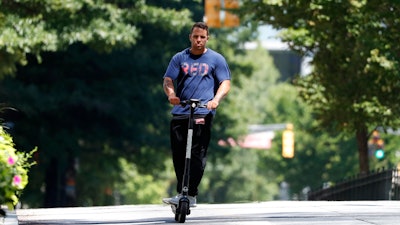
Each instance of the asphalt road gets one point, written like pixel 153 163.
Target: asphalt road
pixel 266 213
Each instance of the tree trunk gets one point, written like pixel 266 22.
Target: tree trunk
pixel 362 142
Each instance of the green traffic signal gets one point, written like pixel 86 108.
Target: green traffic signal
pixel 379 154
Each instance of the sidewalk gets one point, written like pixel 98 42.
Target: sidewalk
pixel 255 213
pixel 10 219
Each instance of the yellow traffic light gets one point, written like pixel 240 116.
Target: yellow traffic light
pixel 212 10
pixel 231 20
pixel 288 142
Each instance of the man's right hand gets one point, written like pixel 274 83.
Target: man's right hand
pixel 174 100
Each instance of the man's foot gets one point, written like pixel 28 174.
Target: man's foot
pixel 193 201
pixel 175 200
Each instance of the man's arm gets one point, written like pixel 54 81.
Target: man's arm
pixel 169 90
pixel 222 91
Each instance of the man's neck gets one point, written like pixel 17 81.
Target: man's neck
pixel 198 52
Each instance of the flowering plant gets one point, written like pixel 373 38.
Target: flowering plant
pixel 14 167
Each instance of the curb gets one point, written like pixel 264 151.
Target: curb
pixel 10 219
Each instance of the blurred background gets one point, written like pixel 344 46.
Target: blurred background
pixel 82 81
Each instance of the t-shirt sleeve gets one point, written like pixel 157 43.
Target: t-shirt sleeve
pixel 222 70
pixel 173 68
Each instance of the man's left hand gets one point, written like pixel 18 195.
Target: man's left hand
pixel 213 104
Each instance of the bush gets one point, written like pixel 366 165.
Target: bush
pixel 14 168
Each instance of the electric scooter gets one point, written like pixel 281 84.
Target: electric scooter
pixel 183 207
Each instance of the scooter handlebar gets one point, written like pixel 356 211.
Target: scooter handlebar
pixel 197 102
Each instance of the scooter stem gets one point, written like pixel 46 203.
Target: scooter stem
pixel 193 103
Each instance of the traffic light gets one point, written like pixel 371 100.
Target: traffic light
pixel 288 142
pixel 231 20
pixel 212 10
pixel 217 13
pixel 379 153
pixel 376 145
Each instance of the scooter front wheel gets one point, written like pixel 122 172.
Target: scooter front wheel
pixel 180 215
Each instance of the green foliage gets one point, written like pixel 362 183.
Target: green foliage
pixel 14 166
pixel 237 178
pixel 84 109
pixel 33 27
pixel 354 83
pixel 107 110
pixel 260 99
pixel 354 77
pixel 253 96
pixel 89 90
pixel 137 188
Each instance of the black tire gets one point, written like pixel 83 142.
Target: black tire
pixel 184 207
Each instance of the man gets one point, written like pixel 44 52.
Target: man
pixel 198 73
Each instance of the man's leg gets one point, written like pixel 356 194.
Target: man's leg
pixel 201 140
pixel 178 132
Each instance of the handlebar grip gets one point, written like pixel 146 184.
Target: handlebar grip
pixel 183 103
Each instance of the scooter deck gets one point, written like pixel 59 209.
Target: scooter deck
pixel 173 208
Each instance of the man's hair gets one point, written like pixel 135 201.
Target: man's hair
pixel 201 25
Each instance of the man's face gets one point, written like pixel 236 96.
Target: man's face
pixel 198 39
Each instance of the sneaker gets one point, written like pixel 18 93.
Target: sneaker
pixel 193 201
pixel 175 200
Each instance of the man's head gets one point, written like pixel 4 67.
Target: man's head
pixel 200 25
pixel 198 38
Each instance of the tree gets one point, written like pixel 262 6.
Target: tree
pixel 33 27
pixel 85 106
pixel 88 109
pixel 354 84
pixel 106 112
pixel 80 103
pixel 261 99
pixel 233 174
